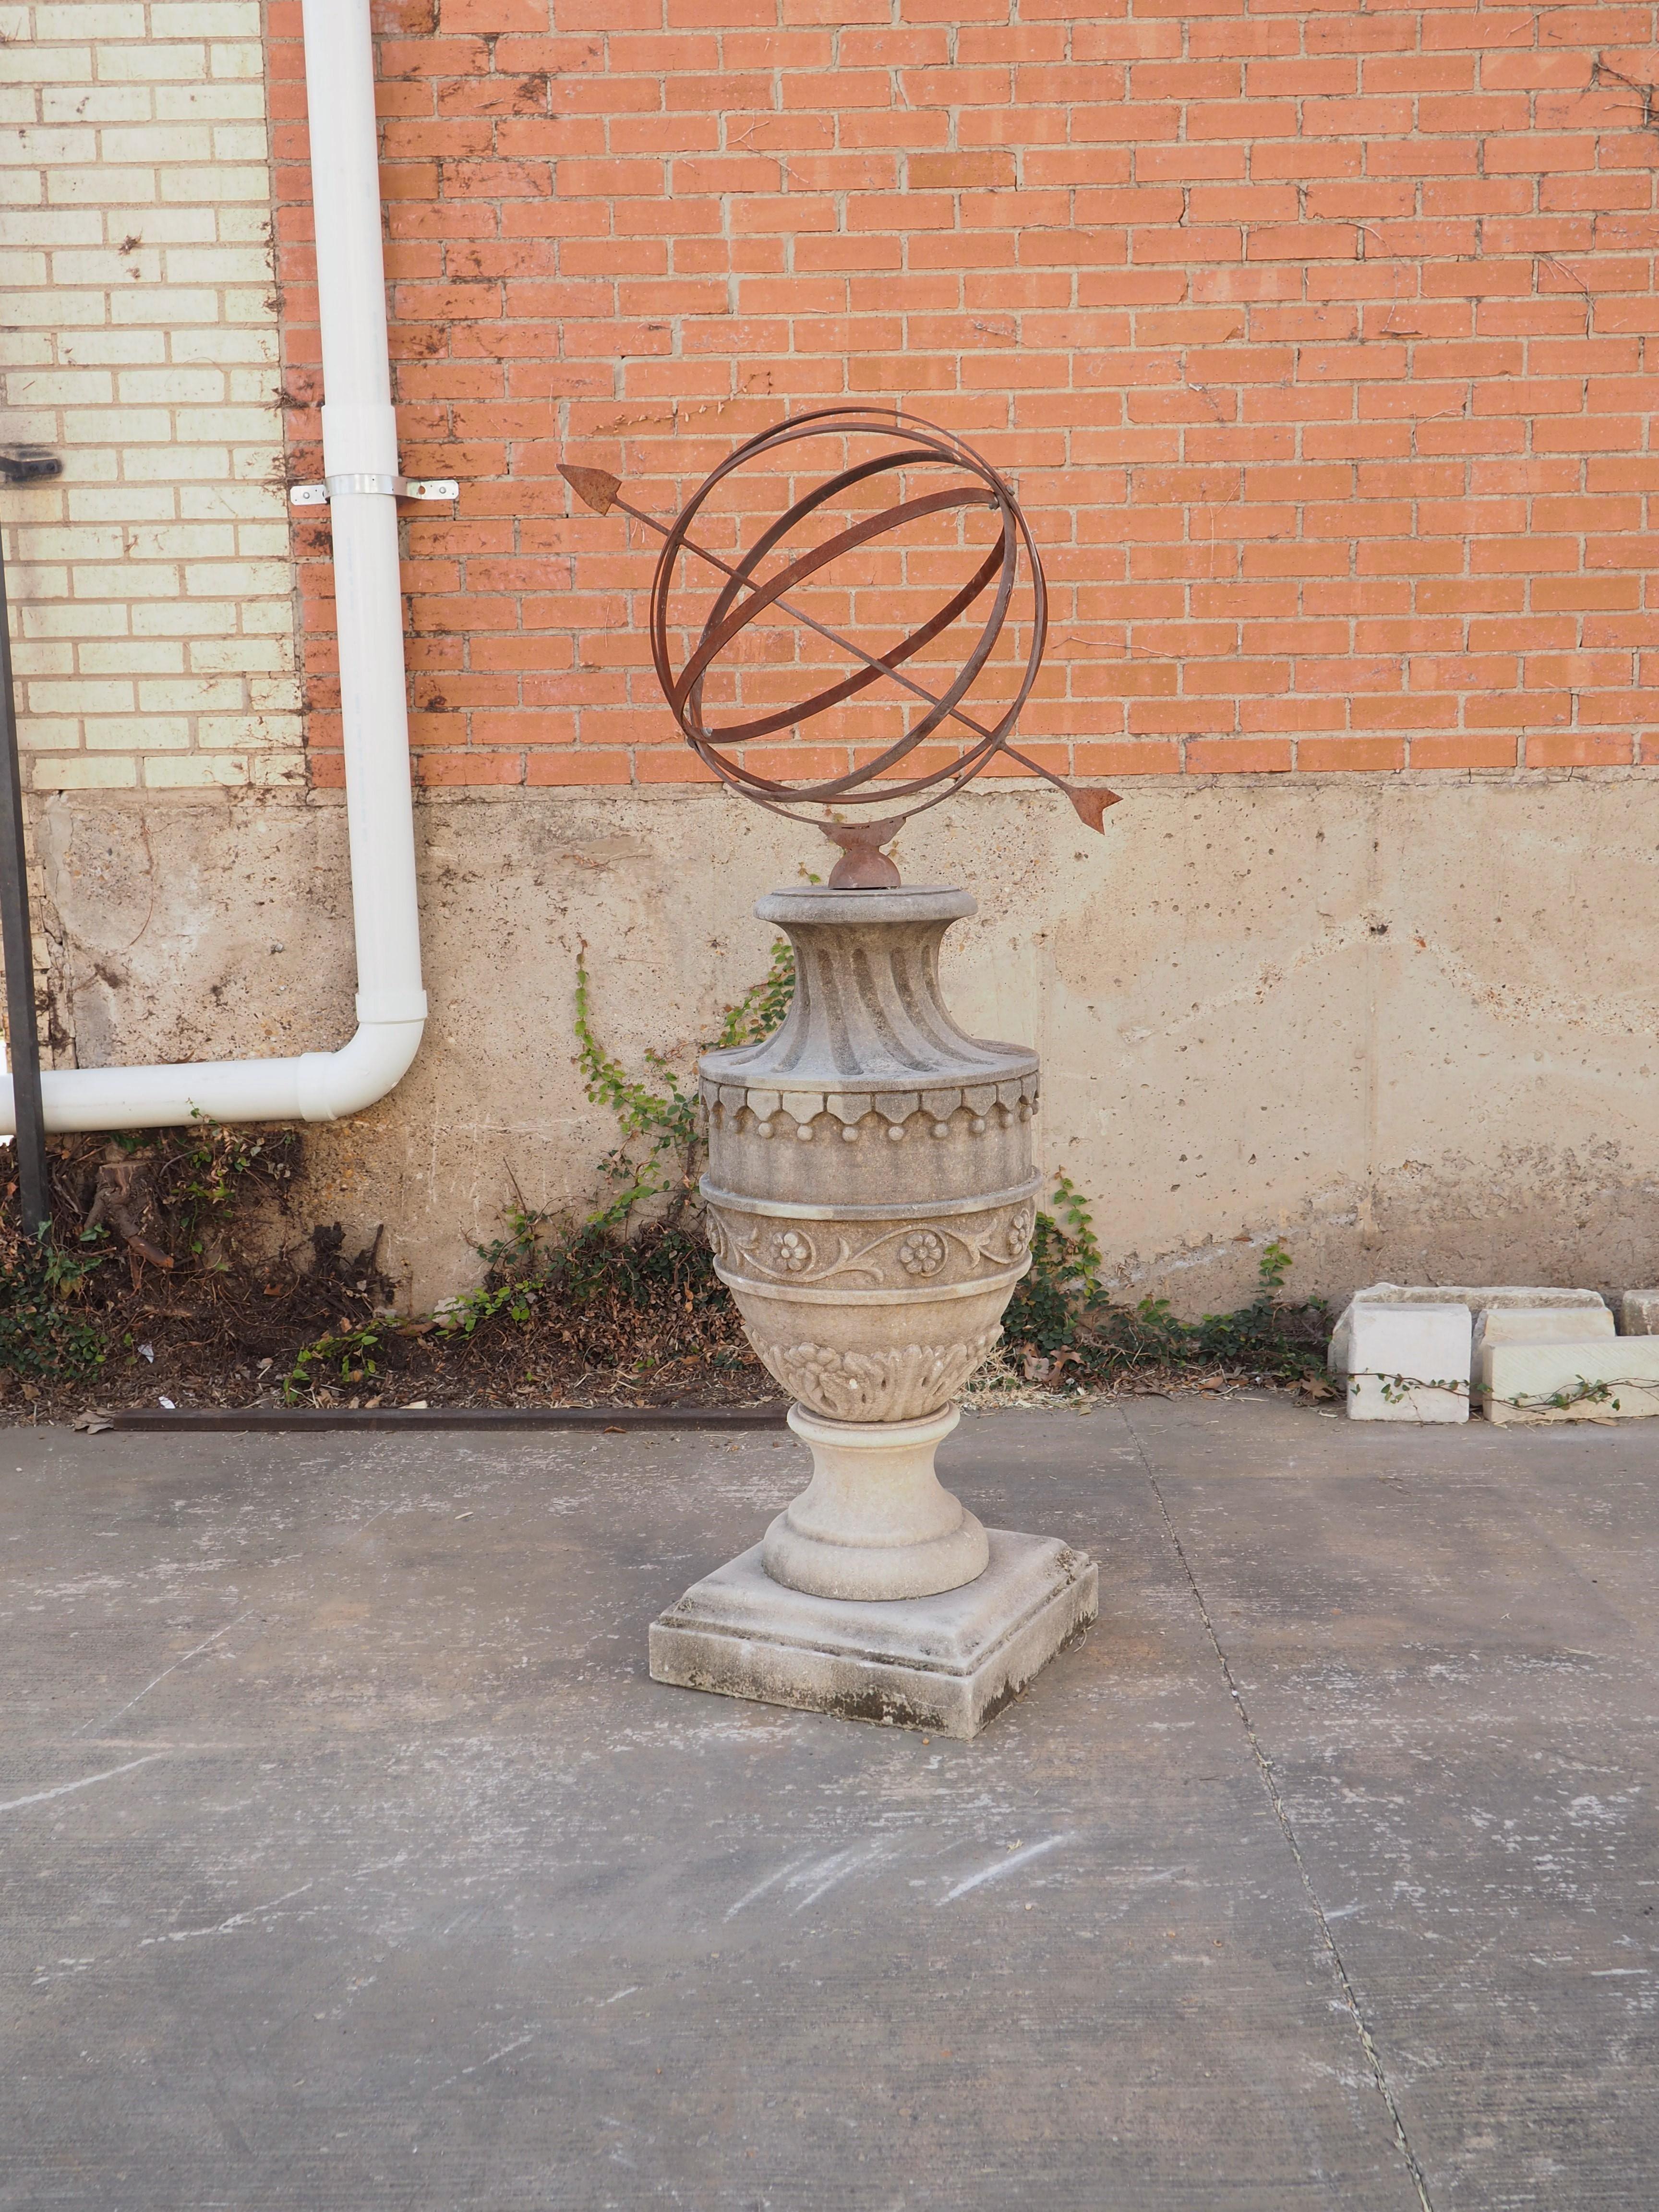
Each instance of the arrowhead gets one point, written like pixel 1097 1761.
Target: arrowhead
pixel 1092 805
pixel 595 487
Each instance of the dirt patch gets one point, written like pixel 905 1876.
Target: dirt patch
pixel 178 1271
pixel 178 1274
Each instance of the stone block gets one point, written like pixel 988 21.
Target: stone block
pixel 1479 1298
pixel 948 1663
pixel 1639 1314
pixel 1603 1379
pixel 1534 1325
pixel 1408 1362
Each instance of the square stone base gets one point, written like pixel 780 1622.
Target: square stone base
pixel 948 1664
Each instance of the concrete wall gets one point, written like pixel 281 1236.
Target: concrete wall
pixel 1408 1024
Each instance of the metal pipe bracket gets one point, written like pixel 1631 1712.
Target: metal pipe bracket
pixel 318 494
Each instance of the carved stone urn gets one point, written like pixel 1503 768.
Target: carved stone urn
pixel 869 1203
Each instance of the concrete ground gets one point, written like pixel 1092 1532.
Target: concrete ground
pixel 351 1860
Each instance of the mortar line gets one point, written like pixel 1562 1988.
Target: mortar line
pixel 1269 1783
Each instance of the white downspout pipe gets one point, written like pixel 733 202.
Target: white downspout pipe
pixel 359 439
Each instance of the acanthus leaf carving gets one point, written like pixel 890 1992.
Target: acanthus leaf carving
pixel 901 1384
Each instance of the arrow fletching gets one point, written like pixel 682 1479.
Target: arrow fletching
pixel 1092 805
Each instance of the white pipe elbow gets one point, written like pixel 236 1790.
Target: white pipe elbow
pixel 316 1087
pixel 335 1084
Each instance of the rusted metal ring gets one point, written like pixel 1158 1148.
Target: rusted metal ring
pixel 915 443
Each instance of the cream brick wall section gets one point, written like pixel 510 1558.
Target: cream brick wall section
pixel 153 605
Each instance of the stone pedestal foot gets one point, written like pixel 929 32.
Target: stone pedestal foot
pixel 947 1663
pixel 875 1522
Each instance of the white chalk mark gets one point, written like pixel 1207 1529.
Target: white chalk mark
pixel 223 1927
pixel 162 1676
pixel 506 2051
pixel 63 1788
pixel 818 1879
pixel 815 1877
pixel 997 1868
pixel 760 1889
pixel 43 1976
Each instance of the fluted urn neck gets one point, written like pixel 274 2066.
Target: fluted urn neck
pixel 867 1009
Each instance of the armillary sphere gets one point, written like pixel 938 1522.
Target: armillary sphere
pixel 771 572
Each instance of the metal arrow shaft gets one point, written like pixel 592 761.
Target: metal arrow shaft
pixel 846 644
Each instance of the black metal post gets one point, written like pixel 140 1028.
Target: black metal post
pixel 23 1042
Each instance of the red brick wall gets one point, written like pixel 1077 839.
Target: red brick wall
pixel 1315 336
